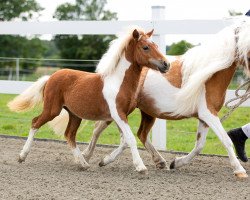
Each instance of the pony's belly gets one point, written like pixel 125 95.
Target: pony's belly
pixel 158 95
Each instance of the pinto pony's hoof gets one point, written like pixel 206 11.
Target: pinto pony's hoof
pixel 241 175
pixel 161 165
pixel 85 167
pixel 101 164
pixel 143 171
pixel 20 160
pixel 172 165
pixel 87 158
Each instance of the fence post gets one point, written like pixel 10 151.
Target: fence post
pixel 17 69
pixel 159 130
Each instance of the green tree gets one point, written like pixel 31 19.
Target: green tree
pixel 179 48
pixel 24 9
pixel 83 46
pixel 17 46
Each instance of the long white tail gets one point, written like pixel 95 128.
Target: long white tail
pixel 60 123
pixel 30 97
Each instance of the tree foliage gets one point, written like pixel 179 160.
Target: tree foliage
pixel 179 48
pixel 18 46
pixel 84 46
pixel 24 9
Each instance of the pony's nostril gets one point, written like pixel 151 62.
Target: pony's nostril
pixel 166 64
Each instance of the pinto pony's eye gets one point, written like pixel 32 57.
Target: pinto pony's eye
pixel 145 48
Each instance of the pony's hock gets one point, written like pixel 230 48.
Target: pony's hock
pixel 107 95
pixel 194 86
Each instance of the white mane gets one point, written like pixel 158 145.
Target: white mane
pixel 110 59
pixel 201 62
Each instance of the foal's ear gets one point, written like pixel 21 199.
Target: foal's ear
pixel 136 34
pixel 150 33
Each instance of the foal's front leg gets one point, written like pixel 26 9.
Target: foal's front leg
pixel 200 142
pixel 130 140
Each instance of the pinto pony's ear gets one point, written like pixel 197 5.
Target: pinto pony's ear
pixel 150 33
pixel 136 34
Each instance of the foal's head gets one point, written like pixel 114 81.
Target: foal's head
pixel 142 51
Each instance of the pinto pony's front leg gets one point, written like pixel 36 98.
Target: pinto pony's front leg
pixel 100 126
pixel 114 154
pixel 147 122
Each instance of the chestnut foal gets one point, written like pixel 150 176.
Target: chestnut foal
pixel 107 95
pixel 194 86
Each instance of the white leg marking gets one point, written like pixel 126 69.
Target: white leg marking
pixel 99 127
pixel 114 154
pixel 214 123
pixel 79 158
pixel 26 148
pixel 131 141
pixel 200 142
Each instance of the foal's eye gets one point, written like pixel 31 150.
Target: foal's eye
pixel 145 48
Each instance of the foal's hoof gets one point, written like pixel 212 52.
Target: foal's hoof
pixel 241 175
pixel 20 160
pixel 172 165
pixel 161 165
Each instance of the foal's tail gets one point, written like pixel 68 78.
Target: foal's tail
pixel 30 97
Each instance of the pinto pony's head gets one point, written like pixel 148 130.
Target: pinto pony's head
pixel 144 52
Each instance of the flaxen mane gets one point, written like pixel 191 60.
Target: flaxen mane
pixel 110 59
pixel 201 62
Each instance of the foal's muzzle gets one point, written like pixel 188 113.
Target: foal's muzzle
pixel 165 66
pixel 162 65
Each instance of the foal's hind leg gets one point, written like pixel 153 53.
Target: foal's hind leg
pixel 200 142
pixel 147 122
pixel 99 128
pixel 70 135
pixel 52 107
pixel 49 113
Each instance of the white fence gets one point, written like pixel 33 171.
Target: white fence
pixel 162 27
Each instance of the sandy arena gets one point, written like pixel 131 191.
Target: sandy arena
pixel 49 172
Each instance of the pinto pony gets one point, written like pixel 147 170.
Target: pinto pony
pixel 194 86
pixel 107 95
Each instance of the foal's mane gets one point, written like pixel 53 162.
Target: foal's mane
pixel 110 59
pixel 201 62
